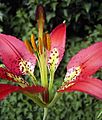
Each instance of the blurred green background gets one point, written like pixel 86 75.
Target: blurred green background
pixel 84 27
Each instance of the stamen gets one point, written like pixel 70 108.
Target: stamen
pixel 28 46
pixel 40 46
pixel 33 42
pixel 48 41
pixel 44 40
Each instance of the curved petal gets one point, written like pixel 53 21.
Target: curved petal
pixel 89 59
pixel 14 53
pixel 58 37
pixel 4 74
pixel 90 86
pixel 6 89
pixel 7 75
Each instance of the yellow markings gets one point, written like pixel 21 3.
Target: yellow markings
pixel 65 86
pixel 71 76
pixel 72 73
pixel 26 67
pixel 18 79
pixel 53 59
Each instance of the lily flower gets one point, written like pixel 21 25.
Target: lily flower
pixel 19 59
pixel 80 69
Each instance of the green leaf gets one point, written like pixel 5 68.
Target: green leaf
pixel 68 2
pixel 77 17
pixel 87 7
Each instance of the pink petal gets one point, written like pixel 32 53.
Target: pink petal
pixel 58 38
pixel 6 89
pixel 12 51
pixel 90 86
pixel 90 59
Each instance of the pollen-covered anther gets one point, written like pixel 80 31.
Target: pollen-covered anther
pixel 28 46
pixel 44 40
pixel 48 41
pixel 53 59
pixel 26 67
pixel 33 42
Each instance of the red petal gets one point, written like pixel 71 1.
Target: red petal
pixel 6 89
pixel 90 86
pixel 3 74
pixel 90 59
pixel 12 50
pixel 58 37
pixel 33 89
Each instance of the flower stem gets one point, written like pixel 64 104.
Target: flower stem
pixel 36 100
pixel 45 113
pixel 51 84
pixel 56 97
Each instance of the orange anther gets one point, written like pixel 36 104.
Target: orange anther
pixel 28 46
pixel 33 42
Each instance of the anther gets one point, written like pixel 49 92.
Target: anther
pixel 28 46
pixel 40 45
pixel 33 42
pixel 44 40
pixel 48 41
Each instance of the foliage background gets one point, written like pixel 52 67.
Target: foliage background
pixel 84 27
